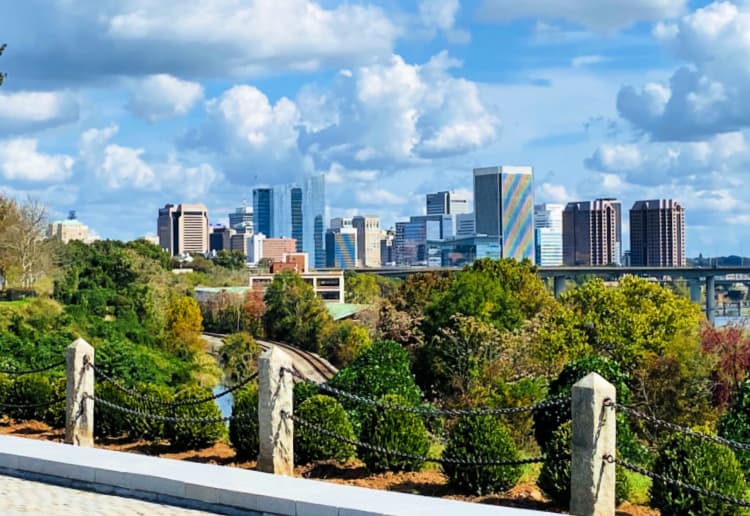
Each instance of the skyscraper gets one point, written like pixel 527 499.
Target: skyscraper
pixel 281 214
pixel 548 234
pixel 183 228
pixel 465 225
pixel 657 234
pixel 296 211
pixel 262 211
pixel 591 232
pixel 313 212
pixel 241 219
pixel 503 208
pixel 341 248
pixel 368 240
pixel 447 203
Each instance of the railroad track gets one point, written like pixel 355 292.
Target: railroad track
pixel 309 365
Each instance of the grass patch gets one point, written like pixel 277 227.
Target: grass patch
pixel 639 487
pixel 15 304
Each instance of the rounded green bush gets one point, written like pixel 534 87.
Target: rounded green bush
pixel 139 427
pixel 547 420
pixel 31 389
pixel 700 463
pixel 311 445
pixel 54 416
pixel 5 386
pixel 735 423
pixel 109 422
pixel 191 435
pixel 396 431
pixel 243 431
pixel 554 477
pixel 483 437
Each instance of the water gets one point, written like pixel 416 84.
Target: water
pixel 225 402
pixel 720 321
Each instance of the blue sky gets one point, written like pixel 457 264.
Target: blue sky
pixel 116 107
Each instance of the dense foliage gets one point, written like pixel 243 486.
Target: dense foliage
pixel 483 437
pixel 345 341
pixel 310 444
pixel 238 357
pixel 294 314
pixel 735 423
pixel 185 435
pixel 701 463
pixel 396 431
pixel 243 430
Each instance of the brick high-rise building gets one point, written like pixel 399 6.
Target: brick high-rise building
pixel 183 228
pixel 657 234
pixel 592 232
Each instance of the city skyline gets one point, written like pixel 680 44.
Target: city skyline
pixel 390 100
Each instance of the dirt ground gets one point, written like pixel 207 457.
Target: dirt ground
pixel 428 482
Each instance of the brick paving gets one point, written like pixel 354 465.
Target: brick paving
pixel 23 497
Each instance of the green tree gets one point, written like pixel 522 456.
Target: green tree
pixel 294 313
pixel 345 341
pixel 238 357
pixel 234 260
pixel 361 288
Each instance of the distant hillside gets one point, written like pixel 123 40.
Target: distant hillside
pixel 720 261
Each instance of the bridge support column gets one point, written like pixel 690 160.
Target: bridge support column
pixel 559 285
pixel 710 297
pixel 695 290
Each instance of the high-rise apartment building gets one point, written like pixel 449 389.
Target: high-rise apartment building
pixel 657 234
pixel 447 203
pixel 241 219
pixel 592 232
pixel 341 248
pixel 183 228
pixel 262 210
pixel 504 208
pixel 368 239
pixel 548 234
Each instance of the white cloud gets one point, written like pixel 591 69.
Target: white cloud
pixel 21 161
pixel 581 61
pixel 595 14
pixel 378 197
pixel 708 95
pixel 28 111
pixel 554 193
pixel 162 96
pixel 440 14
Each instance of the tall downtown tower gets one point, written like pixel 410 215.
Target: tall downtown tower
pixel 504 208
pixel 657 234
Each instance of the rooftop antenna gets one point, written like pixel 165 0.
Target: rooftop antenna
pixel 72 215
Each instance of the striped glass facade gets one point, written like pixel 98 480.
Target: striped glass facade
pixel 341 248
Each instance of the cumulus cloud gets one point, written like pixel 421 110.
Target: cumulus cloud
pixel 216 38
pixel 117 168
pixel 594 14
pixel 162 96
pixel 441 15
pixel 700 163
pixel 28 111
pixel 21 161
pixel 554 193
pixel 709 95
pixel 581 61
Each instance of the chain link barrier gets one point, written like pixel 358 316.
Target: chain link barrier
pixel 677 483
pixel 441 460
pixel 660 423
pixel 428 411
pixel 16 372
pixel 157 401
pixel 44 404
pixel 168 419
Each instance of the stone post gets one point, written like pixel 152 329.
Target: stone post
pixel 79 412
pixel 592 479
pixel 275 395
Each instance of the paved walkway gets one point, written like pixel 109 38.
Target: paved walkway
pixel 23 497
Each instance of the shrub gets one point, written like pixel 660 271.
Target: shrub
pixel 150 428
pixel 32 389
pixel 311 445
pixel 243 431
pixel 699 463
pixel 5 386
pixel 109 422
pixel 547 420
pixel 345 341
pixel 303 391
pixel 189 435
pixel 396 431
pixel 54 416
pixel 554 477
pixel 482 437
pixel 381 369
pixel 735 423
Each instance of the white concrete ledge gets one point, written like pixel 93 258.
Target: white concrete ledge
pixel 216 488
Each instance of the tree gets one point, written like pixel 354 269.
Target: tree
pixel 238 357
pixel 234 260
pixel 184 325
pixel 730 346
pixel 23 243
pixel 361 288
pixel 345 341
pixel 294 313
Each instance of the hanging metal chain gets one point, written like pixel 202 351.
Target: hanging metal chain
pixel 44 404
pixel 169 419
pixel 660 423
pixel 16 372
pixel 158 401
pixel 427 411
pixel 442 460
pixel 677 483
